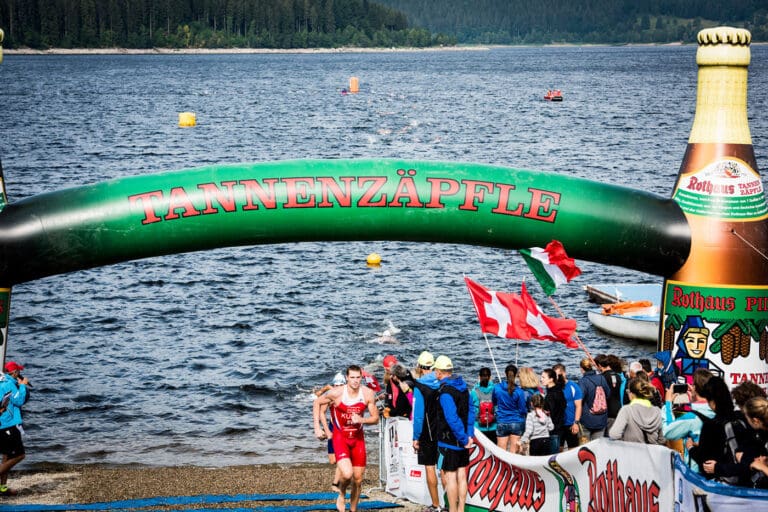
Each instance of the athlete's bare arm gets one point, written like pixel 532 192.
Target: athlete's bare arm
pixel 319 406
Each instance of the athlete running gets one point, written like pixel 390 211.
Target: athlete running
pixel 348 404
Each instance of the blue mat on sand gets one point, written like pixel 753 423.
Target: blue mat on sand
pixel 126 505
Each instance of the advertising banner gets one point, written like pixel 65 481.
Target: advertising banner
pixel 601 476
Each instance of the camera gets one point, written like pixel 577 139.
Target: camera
pixel 679 388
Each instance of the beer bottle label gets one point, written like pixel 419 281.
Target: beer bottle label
pixel 719 328
pixel 728 188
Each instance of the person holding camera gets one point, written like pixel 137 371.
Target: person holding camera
pixel 13 393
pixel 687 425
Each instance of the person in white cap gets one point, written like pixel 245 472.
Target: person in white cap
pixel 425 411
pixel 13 394
pixel 456 429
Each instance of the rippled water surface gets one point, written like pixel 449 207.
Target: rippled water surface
pixel 209 358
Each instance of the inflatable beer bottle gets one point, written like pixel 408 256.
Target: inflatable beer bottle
pixel 715 307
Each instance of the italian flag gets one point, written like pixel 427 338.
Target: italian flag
pixel 551 266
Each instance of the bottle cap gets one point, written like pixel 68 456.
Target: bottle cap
pixel 723 46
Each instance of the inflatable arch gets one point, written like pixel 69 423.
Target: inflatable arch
pixel 708 241
pixel 337 200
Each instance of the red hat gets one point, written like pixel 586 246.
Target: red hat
pixel 389 361
pixel 12 366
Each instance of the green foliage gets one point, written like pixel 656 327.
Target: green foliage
pixel 207 24
pixel 582 21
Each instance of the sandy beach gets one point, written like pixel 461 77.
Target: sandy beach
pixel 69 484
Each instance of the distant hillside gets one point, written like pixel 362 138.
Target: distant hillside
pixel 582 21
pixel 207 24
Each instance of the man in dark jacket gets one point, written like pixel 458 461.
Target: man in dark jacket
pixel 456 427
pixel 425 412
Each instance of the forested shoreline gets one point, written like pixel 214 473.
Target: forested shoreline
pixel 43 24
pixel 293 24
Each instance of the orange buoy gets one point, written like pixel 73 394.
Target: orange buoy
pixel 354 85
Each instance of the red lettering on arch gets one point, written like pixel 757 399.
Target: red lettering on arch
pixel 225 199
pixel 406 189
pixel 179 200
pixel 329 186
pixel 502 207
pixel 299 192
pixel 475 193
pixel 144 201
pixel 254 190
pixel 375 184
pixel 542 205
pixel 441 187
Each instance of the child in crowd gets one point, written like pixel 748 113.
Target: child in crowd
pixel 537 427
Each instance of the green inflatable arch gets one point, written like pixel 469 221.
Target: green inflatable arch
pixel 337 200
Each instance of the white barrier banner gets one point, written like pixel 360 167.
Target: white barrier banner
pixel 601 476
pixel 404 476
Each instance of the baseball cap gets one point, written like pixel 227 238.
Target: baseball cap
pixel 12 366
pixel 339 379
pixel 426 360
pixel 443 363
pixel 389 361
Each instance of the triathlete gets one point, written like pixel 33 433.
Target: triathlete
pixel 348 403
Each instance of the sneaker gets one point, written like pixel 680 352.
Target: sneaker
pixel 433 508
pixel 4 491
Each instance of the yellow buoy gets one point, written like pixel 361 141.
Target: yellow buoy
pixel 354 85
pixel 187 119
pixel 374 259
pixel 2 34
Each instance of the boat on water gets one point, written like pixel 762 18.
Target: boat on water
pixel 627 311
pixel 554 95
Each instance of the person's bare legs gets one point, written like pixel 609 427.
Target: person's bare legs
pixel 344 467
pixel 514 443
pixel 6 466
pixel 432 485
pixel 461 479
pixel 356 488
pixel 502 442
pixel 451 488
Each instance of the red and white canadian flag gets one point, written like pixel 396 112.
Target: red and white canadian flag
pixel 509 315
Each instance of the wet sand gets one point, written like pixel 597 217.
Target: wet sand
pixel 68 484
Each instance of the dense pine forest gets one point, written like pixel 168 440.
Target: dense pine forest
pixel 582 21
pixel 365 23
pixel 207 24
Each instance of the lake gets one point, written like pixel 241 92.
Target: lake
pixel 209 358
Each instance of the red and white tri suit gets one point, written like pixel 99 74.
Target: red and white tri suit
pixel 348 438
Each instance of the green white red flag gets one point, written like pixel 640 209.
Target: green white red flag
pixel 551 266
pixel 513 316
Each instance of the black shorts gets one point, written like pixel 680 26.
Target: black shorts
pixel 10 442
pixel 568 437
pixel 427 455
pixel 452 460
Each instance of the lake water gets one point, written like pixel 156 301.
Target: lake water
pixel 209 358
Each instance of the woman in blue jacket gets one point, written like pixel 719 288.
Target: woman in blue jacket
pixel 511 409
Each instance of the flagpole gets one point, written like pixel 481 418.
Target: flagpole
pixel 576 336
pixel 517 349
pixel 492 358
